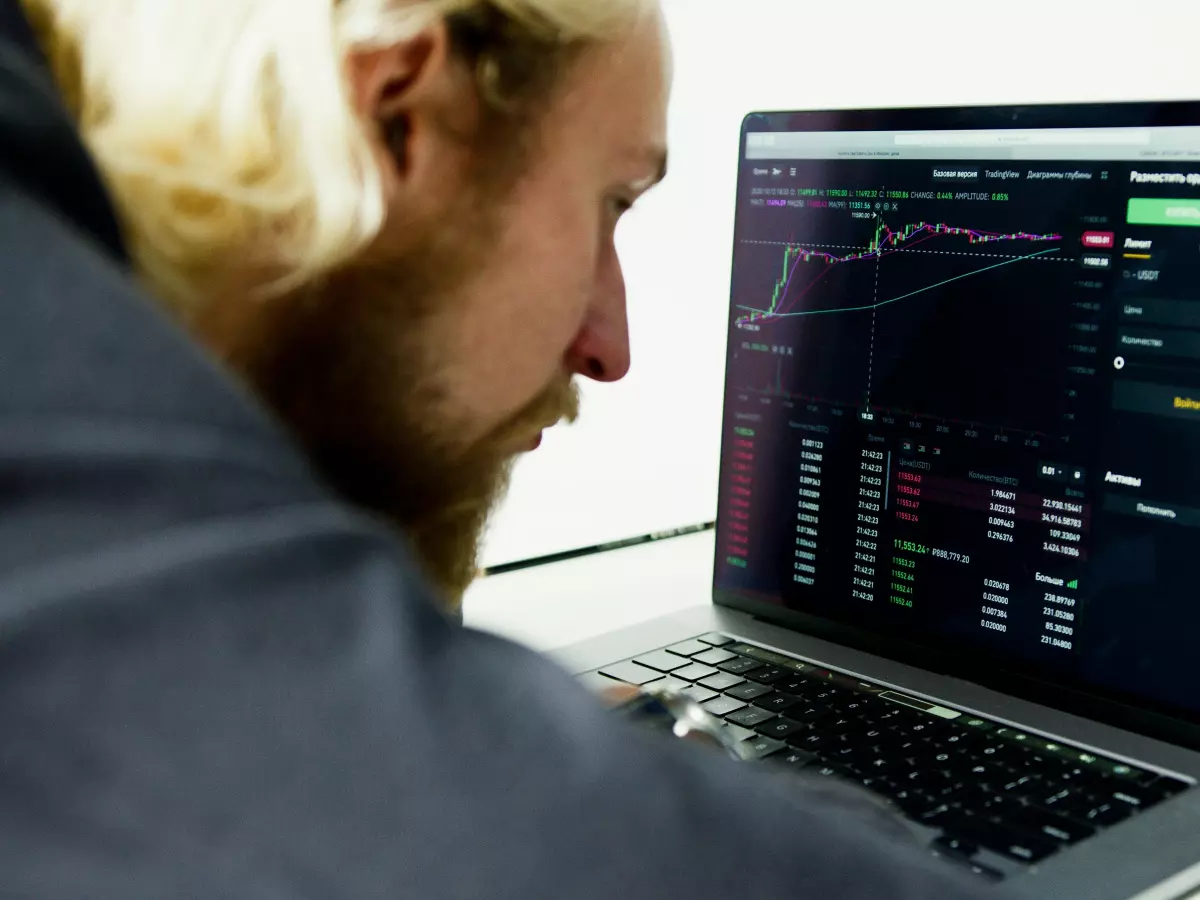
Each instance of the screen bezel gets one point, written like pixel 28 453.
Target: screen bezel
pixel 1133 713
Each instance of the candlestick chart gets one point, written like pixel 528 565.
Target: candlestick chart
pixel 925 316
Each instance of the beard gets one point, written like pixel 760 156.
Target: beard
pixel 350 367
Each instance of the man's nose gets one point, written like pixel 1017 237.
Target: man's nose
pixel 601 349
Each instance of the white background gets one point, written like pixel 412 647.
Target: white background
pixel 644 457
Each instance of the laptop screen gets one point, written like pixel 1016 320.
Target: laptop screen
pixel 963 392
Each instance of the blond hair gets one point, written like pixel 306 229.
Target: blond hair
pixel 225 127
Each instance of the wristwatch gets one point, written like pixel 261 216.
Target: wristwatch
pixel 667 710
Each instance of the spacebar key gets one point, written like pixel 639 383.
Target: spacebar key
pixel 1007 842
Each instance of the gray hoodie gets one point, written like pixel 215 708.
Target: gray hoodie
pixel 219 681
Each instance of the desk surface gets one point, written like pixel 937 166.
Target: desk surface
pixel 553 605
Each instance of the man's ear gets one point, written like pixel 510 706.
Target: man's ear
pixel 403 90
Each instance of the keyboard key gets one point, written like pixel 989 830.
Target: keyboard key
pixel 981 725
pixel 1121 770
pixel 832 770
pixel 808 740
pixel 986 800
pixel 737 732
pixel 891 744
pixel 856 705
pixel 749 717
pixel 694 672
pixel 934 782
pixel 986 773
pixel 853 735
pixel 979 798
pixel 722 706
pixel 1021 786
pixel 768 675
pixel 661 660
pixel 794 759
pixel 777 702
pixel 809 713
pixel 1105 815
pixel 1046 824
pixel 836 740
pixel 921 729
pixel 744 649
pixel 700 694
pixel 931 815
pixel 848 754
pixel 996 837
pixel 748 691
pixel 722 681
pixel 689 648
pixel 760 748
pixel 876 784
pixel 906 746
pixel 1041 757
pixel 881 765
pixel 740 666
pixel 713 657
pixel 631 673
pixel 1066 802
pixel 1076 757
pixel 839 724
pixel 1135 798
pixel 954 739
pixel 670 684
pixel 993 752
pixel 871 716
pixel 956 846
pixel 780 729
pixel 717 640
pixel 1084 779
pixel 915 804
pixel 894 715
pixel 1051 750
pixel 1019 847
pixel 942 761
pixel 793 685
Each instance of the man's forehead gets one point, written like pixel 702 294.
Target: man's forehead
pixel 618 96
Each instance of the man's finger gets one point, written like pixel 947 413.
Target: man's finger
pixel 615 696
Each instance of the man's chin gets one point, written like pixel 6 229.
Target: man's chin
pixel 448 542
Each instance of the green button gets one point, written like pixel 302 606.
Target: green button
pixel 1146 211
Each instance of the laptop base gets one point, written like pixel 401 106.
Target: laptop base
pixel 1120 863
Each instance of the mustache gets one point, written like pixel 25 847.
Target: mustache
pixel 559 401
pixel 448 531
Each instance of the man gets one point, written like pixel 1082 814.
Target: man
pixel 224 674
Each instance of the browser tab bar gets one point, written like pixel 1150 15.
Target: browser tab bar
pixel 1142 144
pixel 1120 137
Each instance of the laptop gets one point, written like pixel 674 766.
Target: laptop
pixel 959 520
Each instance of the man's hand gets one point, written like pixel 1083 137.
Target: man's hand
pixel 615 696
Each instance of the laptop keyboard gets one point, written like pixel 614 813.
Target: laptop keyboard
pixel 994 793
